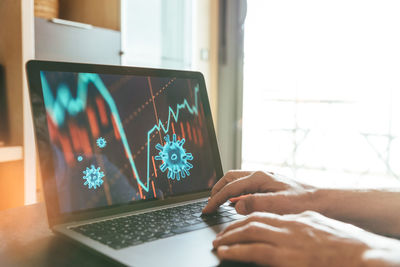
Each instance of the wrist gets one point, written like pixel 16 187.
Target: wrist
pixel 333 203
pixel 316 200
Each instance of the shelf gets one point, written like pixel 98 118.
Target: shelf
pixel 10 153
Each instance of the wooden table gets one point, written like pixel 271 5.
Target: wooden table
pixel 26 240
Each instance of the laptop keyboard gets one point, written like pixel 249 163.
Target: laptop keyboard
pixel 136 229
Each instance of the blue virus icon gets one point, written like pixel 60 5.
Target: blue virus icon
pixel 93 177
pixel 174 158
pixel 79 158
pixel 101 142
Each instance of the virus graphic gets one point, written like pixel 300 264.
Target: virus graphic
pixel 174 158
pixel 79 158
pixel 93 177
pixel 101 142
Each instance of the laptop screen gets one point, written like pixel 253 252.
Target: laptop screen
pixel 122 138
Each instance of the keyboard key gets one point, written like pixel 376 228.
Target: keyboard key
pixel 193 221
pixel 227 207
pixel 135 243
pixel 190 228
pixel 219 220
pixel 165 235
pixel 229 212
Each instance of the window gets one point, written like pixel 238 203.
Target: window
pixel 158 33
pixel 321 98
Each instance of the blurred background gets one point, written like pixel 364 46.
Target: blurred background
pixel 309 89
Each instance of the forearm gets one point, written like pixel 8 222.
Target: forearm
pixel 375 210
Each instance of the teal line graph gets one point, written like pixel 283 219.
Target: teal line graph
pixel 65 102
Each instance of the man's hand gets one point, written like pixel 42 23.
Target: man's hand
pixel 373 210
pixel 277 189
pixel 306 239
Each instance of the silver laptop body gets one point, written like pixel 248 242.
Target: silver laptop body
pixel 128 148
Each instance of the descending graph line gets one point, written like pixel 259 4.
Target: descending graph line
pixel 65 102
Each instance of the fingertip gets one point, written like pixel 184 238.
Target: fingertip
pixel 233 200
pixel 236 199
pixel 209 208
pixel 215 242
pixel 206 209
pixel 221 250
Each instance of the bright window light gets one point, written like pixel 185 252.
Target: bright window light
pixel 322 91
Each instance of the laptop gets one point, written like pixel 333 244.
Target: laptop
pixel 127 158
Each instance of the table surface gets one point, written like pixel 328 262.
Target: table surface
pixel 26 240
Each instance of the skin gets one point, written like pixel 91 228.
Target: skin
pixel 292 239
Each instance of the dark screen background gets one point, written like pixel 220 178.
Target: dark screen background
pixel 126 112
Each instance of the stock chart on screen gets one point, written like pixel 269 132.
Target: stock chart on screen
pixel 121 138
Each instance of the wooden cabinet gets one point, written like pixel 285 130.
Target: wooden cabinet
pixel 16 47
pixel 18 173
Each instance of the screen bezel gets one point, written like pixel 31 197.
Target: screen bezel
pixel 55 217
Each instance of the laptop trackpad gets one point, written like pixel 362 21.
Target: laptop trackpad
pixel 189 249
